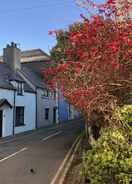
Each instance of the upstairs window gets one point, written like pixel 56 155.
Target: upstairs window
pixel 19 116
pixel 19 88
pixel 55 95
pixel 45 93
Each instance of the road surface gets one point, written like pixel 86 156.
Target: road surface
pixel 34 158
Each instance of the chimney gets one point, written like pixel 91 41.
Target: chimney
pixel 12 56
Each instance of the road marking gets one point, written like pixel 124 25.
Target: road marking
pixel 50 136
pixel 12 155
pixel 24 149
pixel 54 181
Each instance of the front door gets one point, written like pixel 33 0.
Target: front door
pixel 1 120
pixel 54 114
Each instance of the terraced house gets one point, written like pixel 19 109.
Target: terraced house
pixel 25 101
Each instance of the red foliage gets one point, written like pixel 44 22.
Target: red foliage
pixel 95 76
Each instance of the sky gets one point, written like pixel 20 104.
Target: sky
pixel 27 22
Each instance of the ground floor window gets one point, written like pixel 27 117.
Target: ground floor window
pixel 19 116
pixel 46 113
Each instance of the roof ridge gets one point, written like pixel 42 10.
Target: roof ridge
pixel 29 50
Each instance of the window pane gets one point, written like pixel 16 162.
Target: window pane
pixel 47 113
pixel 20 88
pixel 19 116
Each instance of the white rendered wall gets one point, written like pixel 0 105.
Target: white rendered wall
pixel 7 122
pixel 28 100
pixel 7 127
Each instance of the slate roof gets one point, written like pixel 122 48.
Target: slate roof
pixel 32 55
pixel 35 78
pixel 7 75
pixel 33 62
pixel 37 66
pixel 4 101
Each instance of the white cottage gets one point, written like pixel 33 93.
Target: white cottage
pixel 25 101
pixel 16 96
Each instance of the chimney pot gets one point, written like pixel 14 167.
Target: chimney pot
pixel 12 44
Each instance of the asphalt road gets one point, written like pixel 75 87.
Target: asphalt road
pixel 43 151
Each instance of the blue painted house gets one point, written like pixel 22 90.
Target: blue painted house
pixel 66 111
pixel 63 109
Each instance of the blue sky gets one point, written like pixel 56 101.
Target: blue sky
pixel 27 22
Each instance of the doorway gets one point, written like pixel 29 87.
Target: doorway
pixel 1 121
pixel 54 114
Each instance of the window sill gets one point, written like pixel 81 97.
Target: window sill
pixel 19 94
pixel 44 97
pixel 20 125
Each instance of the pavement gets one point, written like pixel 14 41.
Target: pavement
pixel 35 158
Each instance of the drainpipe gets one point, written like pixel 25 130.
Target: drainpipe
pixel 14 113
pixel 36 126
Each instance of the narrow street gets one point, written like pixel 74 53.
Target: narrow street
pixel 34 158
